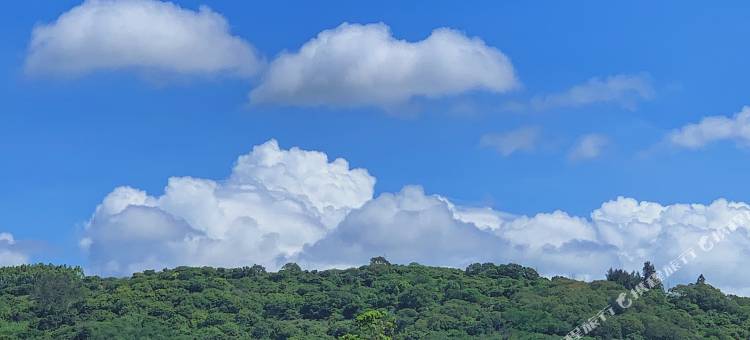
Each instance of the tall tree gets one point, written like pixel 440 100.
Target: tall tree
pixel 648 269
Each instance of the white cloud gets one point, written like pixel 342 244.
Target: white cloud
pixel 9 254
pixel 410 226
pixel 296 205
pixel 646 230
pixel 354 65
pixel 624 89
pixel 405 227
pixel 274 202
pixel 484 218
pixel 509 142
pixel 713 129
pixel 558 228
pixel 146 35
pixel 589 146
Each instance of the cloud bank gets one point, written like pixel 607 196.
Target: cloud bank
pixel 146 35
pixel 714 129
pixel 408 226
pixel 354 65
pixel 296 205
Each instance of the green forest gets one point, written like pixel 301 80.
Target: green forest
pixel 375 301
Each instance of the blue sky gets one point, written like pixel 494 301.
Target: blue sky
pixel 67 141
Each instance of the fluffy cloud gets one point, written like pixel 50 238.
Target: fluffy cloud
pixel 296 205
pixel 558 228
pixel 411 226
pixel 646 230
pixel 146 35
pixel 9 255
pixel 625 90
pixel 713 129
pixel 589 146
pixel 405 227
pixel 506 143
pixel 274 202
pixel 356 64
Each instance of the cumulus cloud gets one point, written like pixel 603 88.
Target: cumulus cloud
pixel 509 142
pixel 354 65
pixel 274 202
pixel 624 89
pixel 714 129
pixel 557 227
pixel 296 205
pixel 146 35
pixel 405 227
pixel 647 230
pixel 412 226
pixel 589 146
pixel 9 254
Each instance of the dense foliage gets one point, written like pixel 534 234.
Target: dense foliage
pixel 378 301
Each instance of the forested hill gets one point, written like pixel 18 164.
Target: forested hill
pixel 377 301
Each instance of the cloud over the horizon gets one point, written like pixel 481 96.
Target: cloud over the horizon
pixel 408 226
pixel 714 129
pixel 9 255
pixel 365 65
pixel 295 205
pixel 145 35
pixel 274 202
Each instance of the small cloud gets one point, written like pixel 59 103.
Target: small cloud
pixel 713 129
pixel 365 65
pixel 507 143
pixel 625 90
pixel 147 35
pixel 10 255
pixel 589 146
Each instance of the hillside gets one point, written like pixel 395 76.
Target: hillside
pixel 371 302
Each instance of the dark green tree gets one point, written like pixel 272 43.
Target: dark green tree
pixel 379 261
pixel 648 269
pixel 485 301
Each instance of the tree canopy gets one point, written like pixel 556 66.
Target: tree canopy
pixel 376 301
